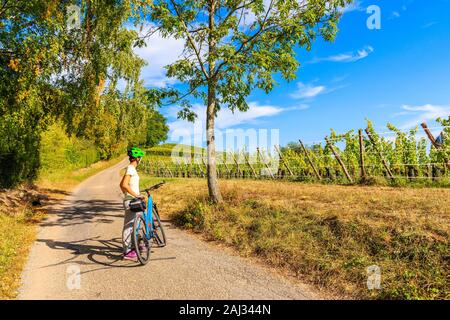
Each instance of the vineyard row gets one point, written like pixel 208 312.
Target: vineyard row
pixel 365 155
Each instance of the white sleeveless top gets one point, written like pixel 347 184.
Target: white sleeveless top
pixel 134 180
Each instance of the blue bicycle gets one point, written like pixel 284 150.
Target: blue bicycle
pixel 144 231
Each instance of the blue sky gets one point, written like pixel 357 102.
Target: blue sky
pixel 398 74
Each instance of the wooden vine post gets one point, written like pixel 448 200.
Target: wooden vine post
pixel 160 169
pixel 250 165
pixel 226 168
pixel 265 163
pixel 430 136
pixel 200 168
pixel 237 165
pixel 204 164
pixel 147 167
pixel 386 166
pixel 361 155
pixel 435 143
pixel 338 158
pixel 283 160
pixel 156 168
pixel 177 169
pixel 310 161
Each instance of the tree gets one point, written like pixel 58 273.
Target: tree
pixel 49 72
pixel 29 47
pixel 235 46
pixel 157 129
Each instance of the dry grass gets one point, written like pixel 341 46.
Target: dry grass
pixel 326 234
pixel 17 233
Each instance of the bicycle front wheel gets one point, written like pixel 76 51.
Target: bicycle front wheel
pixel 158 230
pixel 141 241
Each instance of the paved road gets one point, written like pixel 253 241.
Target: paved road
pixel 83 233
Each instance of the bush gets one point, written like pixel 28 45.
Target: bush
pixel 19 153
pixel 59 152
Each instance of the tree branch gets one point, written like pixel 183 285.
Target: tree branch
pixel 232 11
pixel 183 96
pixel 252 39
pixel 261 29
pixel 150 33
pixel 191 41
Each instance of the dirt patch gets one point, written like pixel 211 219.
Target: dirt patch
pixel 13 201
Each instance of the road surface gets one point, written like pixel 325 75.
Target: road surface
pixel 77 255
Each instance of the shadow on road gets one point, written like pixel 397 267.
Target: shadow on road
pixel 86 211
pixel 55 191
pixel 107 253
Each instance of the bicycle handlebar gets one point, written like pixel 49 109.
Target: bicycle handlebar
pixel 156 186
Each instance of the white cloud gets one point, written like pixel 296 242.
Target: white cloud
pixel 226 118
pixel 395 14
pixel 348 56
pixel 423 113
pixel 429 24
pixel 299 107
pixel 338 79
pixel 354 6
pixel 305 91
pixel 308 91
pixel 158 53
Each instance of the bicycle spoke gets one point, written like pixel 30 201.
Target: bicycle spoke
pixel 141 243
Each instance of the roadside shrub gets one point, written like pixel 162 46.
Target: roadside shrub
pixel 60 153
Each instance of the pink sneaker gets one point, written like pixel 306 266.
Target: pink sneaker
pixel 131 255
pixel 142 248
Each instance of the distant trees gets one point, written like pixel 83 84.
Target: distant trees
pixel 157 129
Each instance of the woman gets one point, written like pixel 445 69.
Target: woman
pixel 130 188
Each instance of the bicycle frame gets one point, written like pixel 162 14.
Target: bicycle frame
pixel 148 213
pixel 148 217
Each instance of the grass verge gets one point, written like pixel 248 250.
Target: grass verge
pixel 325 234
pixel 17 233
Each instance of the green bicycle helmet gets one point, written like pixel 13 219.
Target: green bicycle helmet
pixel 135 153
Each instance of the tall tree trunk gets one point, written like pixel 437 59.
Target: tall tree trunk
pixel 213 186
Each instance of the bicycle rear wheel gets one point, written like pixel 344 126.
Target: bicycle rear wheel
pixel 140 240
pixel 158 231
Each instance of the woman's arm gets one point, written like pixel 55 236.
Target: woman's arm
pixel 125 186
